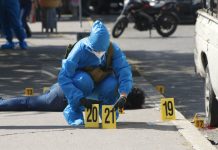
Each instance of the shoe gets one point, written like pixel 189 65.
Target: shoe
pixel 8 45
pixel 73 117
pixel 23 45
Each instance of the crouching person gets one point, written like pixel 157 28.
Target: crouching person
pixel 94 69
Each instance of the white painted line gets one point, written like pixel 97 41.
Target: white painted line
pixel 53 76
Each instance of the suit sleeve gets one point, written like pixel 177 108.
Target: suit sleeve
pixel 122 70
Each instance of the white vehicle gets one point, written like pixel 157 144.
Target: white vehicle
pixel 206 56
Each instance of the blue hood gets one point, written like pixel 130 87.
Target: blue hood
pixel 99 38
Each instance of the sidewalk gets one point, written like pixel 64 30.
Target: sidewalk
pixel 137 129
pixel 38 67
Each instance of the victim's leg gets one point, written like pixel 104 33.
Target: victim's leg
pixel 14 104
pixel 53 100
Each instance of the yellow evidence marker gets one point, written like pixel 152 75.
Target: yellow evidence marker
pixel 46 89
pixel 198 121
pixel 121 111
pixel 28 92
pixel 90 21
pixel 160 88
pixel 167 109
pixel 92 116
pixel 108 117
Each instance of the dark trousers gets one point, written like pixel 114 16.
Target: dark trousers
pixel 25 12
pixel 53 100
pixel 10 16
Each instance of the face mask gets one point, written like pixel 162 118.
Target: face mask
pixel 98 54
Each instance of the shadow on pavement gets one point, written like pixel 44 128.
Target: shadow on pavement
pixel 36 127
pixel 145 125
pixel 120 125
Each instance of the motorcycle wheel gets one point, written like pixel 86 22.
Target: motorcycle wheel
pixel 166 25
pixel 119 26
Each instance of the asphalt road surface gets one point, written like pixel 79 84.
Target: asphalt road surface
pixel 168 62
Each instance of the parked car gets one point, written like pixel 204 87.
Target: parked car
pixel 206 57
pixel 187 10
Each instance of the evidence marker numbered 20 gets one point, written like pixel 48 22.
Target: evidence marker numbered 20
pixel 108 117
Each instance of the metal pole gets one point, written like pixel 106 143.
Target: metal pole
pixel 80 12
pixel 217 8
pixel 204 4
pixel 211 6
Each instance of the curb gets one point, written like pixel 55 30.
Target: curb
pixel 185 128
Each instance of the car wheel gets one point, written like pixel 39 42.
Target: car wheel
pixel 211 103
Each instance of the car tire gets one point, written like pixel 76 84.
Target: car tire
pixel 211 103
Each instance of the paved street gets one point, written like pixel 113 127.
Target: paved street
pixel 161 61
pixel 168 62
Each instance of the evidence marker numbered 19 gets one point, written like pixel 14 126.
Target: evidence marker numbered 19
pixel 167 109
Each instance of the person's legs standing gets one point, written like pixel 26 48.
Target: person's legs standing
pixel 13 11
pixel 6 27
pixel 25 12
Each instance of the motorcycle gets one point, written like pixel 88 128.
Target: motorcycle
pixel 147 15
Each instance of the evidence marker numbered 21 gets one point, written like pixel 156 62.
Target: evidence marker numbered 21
pixel 108 117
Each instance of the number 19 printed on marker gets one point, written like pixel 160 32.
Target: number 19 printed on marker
pixel 167 109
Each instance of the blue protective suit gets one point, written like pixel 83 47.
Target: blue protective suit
pixel 77 84
pixel 10 14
